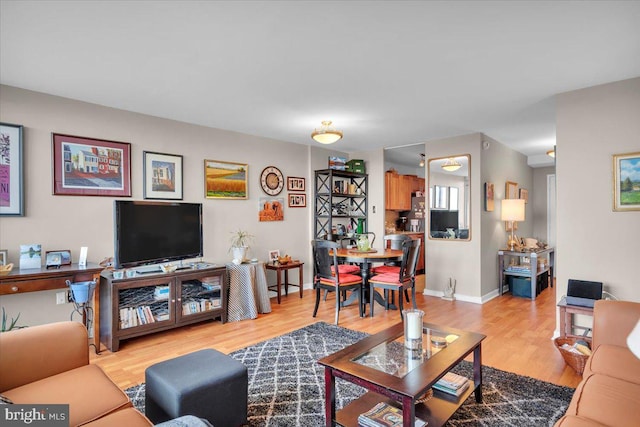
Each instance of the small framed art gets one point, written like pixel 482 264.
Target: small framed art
pixel 4 256
pixel 489 203
pixel 90 167
pixel 162 176
pixel 295 183
pixel 297 200
pixel 524 194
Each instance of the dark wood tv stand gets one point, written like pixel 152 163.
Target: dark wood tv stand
pixel 156 301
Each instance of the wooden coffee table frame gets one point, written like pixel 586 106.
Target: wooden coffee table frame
pixel 406 390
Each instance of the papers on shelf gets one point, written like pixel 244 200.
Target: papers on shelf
pixel 385 415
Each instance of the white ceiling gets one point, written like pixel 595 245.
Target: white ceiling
pixel 387 73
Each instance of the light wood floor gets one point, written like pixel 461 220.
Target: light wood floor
pixel 518 334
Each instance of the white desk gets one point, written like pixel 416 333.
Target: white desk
pixel 248 291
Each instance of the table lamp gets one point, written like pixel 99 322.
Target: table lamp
pixel 512 211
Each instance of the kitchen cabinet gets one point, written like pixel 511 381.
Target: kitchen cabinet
pixel 398 191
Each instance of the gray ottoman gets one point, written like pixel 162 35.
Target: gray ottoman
pixel 206 383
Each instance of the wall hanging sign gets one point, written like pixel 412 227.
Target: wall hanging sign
pixel 225 180
pixel 162 176
pixel 90 167
pixel 626 182
pixel 11 170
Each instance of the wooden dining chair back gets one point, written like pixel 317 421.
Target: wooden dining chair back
pixel 327 276
pixel 404 279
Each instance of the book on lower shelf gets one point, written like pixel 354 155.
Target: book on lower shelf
pixel 385 415
pixel 452 383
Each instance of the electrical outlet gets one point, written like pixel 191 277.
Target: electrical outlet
pixel 61 297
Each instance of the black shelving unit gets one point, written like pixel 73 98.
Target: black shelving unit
pixel 340 199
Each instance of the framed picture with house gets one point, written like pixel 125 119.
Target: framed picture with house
pixel 162 176
pixel 90 167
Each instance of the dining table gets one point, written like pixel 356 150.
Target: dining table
pixel 365 258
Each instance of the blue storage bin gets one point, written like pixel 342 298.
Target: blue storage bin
pixel 520 286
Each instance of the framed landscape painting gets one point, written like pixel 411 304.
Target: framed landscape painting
pixel 11 170
pixel 225 180
pixel 91 167
pixel 626 182
pixel 162 176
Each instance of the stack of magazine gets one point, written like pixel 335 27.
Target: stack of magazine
pixel 452 384
pixel 385 415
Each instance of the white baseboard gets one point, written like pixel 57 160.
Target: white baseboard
pixel 466 298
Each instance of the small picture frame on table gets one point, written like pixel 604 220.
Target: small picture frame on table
pixel 274 254
pixel 55 259
pixel 4 256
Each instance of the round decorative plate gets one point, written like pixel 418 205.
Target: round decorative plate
pixel 271 180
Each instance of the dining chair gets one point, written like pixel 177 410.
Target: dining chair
pixel 404 279
pixel 392 241
pixel 327 276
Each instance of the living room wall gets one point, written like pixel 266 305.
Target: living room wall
pixel 69 222
pixel 594 242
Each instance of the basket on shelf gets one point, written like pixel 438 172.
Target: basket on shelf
pixel 575 360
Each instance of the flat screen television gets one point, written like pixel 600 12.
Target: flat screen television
pixel 441 220
pixel 156 232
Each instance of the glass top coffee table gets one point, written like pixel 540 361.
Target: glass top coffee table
pixel 401 377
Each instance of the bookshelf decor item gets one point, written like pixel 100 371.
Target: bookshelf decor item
pixel 413 330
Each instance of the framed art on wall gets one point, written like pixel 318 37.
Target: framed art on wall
pixel 295 183
pixel 511 190
pixel 225 180
pixel 626 182
pixel 90 167
pixel 524 194
pixel 489 203
pixel 162 176
pixel 297 200
pixel 271 209
pixel 11 170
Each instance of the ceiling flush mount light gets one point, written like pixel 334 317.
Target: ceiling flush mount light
pixel 326 134
pixel 451 165
pixel 551 153
pixel 421 160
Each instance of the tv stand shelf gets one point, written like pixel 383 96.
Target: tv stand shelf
pixel 148 303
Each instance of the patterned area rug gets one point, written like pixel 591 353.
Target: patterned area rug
pixel 286 385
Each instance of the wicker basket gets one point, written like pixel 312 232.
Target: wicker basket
pixel 576 361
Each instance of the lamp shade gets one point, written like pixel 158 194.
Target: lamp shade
pixel 326 134
pixel 451 165
pixel 633 340
pixel 512 210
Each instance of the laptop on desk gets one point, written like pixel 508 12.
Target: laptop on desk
pixel 583 292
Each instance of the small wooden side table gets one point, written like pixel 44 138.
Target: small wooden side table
pixel 286 267
pixel 566 319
